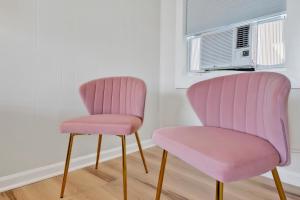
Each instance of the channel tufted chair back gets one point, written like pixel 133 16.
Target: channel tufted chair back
pixel 116 107
pixel 115 95
pixel 254 103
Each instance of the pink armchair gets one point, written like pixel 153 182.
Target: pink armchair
pixel 116 107
pixel 244 132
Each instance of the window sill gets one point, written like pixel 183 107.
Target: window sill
pixel 186 80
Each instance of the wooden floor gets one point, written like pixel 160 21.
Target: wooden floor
pixel 182 182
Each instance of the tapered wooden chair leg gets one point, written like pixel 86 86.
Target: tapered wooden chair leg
pixel 161 175
pixel 124 167
pixel 278 184
pixel 67 165
pixel 98 151
pixel 219 190
pixel 141 151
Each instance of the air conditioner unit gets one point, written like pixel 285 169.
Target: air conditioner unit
pixel 233 48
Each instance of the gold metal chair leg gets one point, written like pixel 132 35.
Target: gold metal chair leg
pixel 124 166
pixel 141 151
pixel 98 151
pixel 219 190
pixel 161 175
pixel 278 184
pixel 67 165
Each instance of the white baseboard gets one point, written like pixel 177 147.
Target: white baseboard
pixel 31 176
pixel 286 176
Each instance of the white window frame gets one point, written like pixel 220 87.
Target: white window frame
pixel 255 23
pixel 184 78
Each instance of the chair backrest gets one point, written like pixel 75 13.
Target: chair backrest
pixel 254 103
pixel 115 95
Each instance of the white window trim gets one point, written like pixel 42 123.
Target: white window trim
pixel 184 78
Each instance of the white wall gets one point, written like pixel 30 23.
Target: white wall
pixel 174 106
pixel 47 49
pixel 292 35
pixel 293 62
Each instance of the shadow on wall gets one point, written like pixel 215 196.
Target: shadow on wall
pixel 176 110
pixel 294 125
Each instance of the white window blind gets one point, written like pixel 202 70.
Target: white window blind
pixel 270 44
pixel 203 15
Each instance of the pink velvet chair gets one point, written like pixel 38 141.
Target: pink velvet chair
pixel 245 130
pixel 116 107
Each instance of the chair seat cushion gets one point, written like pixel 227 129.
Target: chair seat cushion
pixel 223 154
pixel 105 124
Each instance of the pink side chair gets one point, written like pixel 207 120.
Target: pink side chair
pixel 244 132
pixel 116 107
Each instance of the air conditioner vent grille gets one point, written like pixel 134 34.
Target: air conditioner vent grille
pixel 243 37
pixel 216 49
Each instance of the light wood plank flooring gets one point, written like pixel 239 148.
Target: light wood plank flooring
pixel 182 182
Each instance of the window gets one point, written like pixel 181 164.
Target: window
pixel 256 44
pixel 270 44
